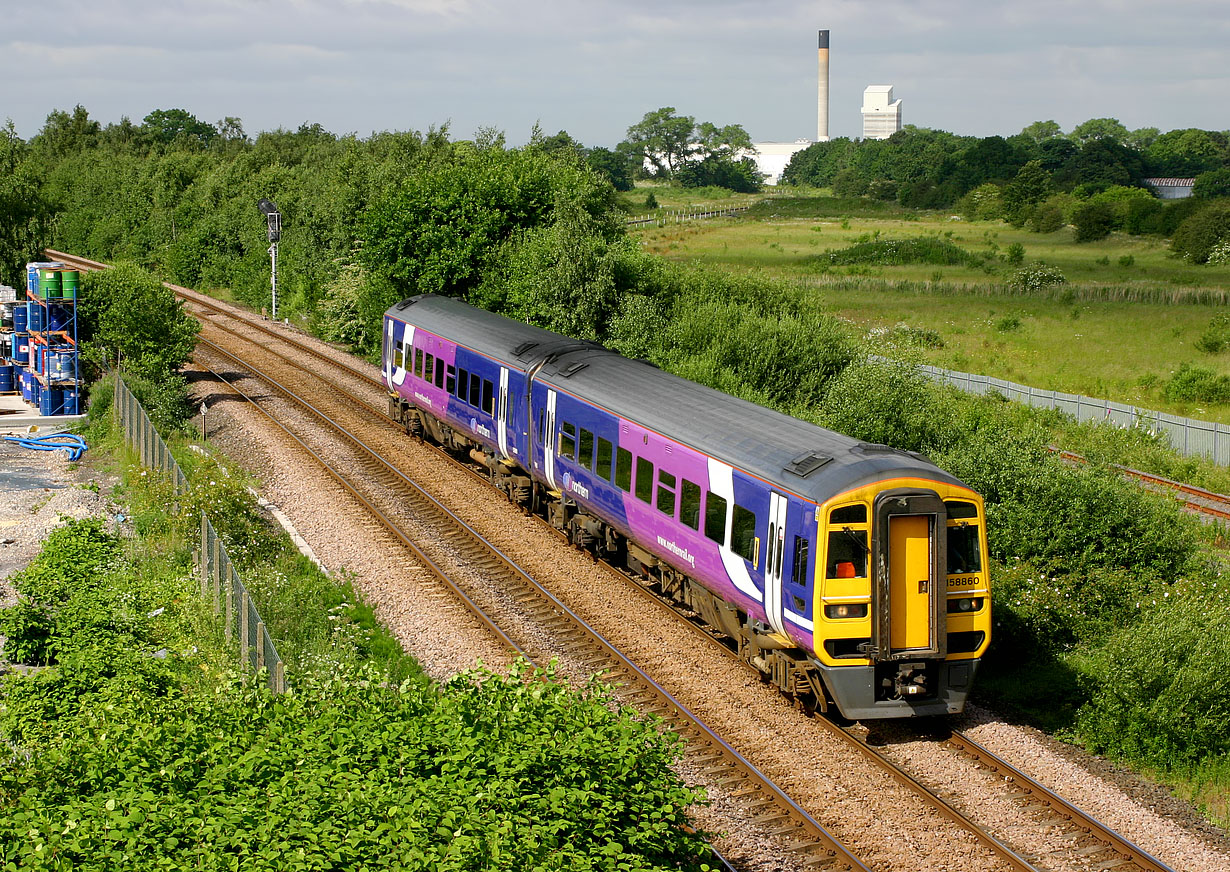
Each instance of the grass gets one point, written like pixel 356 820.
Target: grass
pixel 1117 330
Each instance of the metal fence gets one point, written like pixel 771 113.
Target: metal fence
pixel 677 216
pixel 1189 436
pixel 220 583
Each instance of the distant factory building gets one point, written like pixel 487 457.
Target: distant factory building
pixel 881 113
pixel 1171 189
pixel 773 157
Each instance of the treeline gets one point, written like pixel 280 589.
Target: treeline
pixel 1041 178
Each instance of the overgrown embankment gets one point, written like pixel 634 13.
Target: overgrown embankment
pixel 139 744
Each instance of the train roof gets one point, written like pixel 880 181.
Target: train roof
pixel 790 453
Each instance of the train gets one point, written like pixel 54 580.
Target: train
pixel 851 575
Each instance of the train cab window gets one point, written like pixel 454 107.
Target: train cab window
pixel 450 380
pixel 463 385
pixel 666 493
pixel 689 504
pixel 488 397
pixel 428 367
pixel 603 464
pixel 567 441
pixel 418 362
pixel 743 534
pixel 963 551
pixel 585 454
pixel 476 389
pixel 798 574
pixel 715 517
pixel 440 372
pixel 856 514
pixel 644 480
pixel 847 544
pixel 623 469
pixel 959 509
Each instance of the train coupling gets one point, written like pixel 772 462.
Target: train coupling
pixel 910 681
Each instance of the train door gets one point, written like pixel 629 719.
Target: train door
pixel 501 416
pixel 909 582
pixel 548 438
pixel 387 362
pixel 400 364
pixel 775 550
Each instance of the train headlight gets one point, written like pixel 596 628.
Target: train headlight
pixel 965 604
pixel 846 610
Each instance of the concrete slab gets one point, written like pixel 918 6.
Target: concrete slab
pixel 16 415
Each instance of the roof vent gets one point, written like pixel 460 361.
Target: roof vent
pixel 524 347
pixel 807 463
pixel 572 369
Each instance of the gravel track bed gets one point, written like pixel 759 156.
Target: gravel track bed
pixel 862 808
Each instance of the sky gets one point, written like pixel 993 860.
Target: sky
pixel 595 67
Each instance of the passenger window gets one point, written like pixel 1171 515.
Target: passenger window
pixel 463 385
pixel 743 534
pixel 428 368
pixel 586 450
pixel 623 469
pixel 440 372
pixel 847 555
pixel 603 466
pixel 542 426
pixel 689 504
pixel 644 480
pixel 450 380
pixel 567 441
pixel 666 493
pixel 963 552
pixel 488 397
pixel 798 573
pixel 476 390
pixel 418 362
pixel 715 517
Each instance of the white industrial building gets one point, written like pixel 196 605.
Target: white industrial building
pixel 773 157
pixel 881 113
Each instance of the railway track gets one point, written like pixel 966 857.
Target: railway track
pixel 764 800
pixel 1213 506
pixel 766 804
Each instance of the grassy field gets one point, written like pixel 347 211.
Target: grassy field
pixel 1127 319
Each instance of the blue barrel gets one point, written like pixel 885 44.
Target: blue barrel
pixel 35 316
pixel 6 378
pixel 27 386
pixel 59 318
pixel 32 279
pixel 72 401
pixel 21 348
pixel 51 402
pixel 20 318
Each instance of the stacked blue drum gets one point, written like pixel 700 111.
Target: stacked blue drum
pixel 41 345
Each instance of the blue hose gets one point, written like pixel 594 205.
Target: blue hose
pixel 74 446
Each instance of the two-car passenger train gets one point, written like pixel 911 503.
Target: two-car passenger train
pixel 850 574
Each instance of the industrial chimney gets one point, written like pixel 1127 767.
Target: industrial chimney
pixel 822 96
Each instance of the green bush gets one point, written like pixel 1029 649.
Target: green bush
pixel 1215 338
pixel 1034 278
pixel 1160 687
pixel 1200 233
pixel 1045 218
pixel 894 252
pixel 1094 220
pixel 1195 384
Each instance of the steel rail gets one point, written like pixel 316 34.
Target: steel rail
pixel 813 843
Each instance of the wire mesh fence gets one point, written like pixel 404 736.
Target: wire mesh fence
pixel 220 583
pixel 1189 436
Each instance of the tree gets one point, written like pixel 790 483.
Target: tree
pixel 1040 131
pixel 1187 152
pixel 1031 186
pixel 1096 129
pixel 64 134
pixel 663 139
pixel 127 310
pixel 616 165
pixel 720 142
pixel 25 216
pixel 1196 237
pixel 1215 183
pixel 1093 221
pixel 165 126
pixel 721 172
pixel 1141 138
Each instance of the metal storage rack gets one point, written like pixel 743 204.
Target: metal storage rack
pixel 53 366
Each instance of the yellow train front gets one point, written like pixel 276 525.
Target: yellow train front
pixel 903 598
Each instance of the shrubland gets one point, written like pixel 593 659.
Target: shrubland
pixel 140 745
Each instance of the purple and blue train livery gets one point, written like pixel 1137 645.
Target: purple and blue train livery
pixel 850 574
